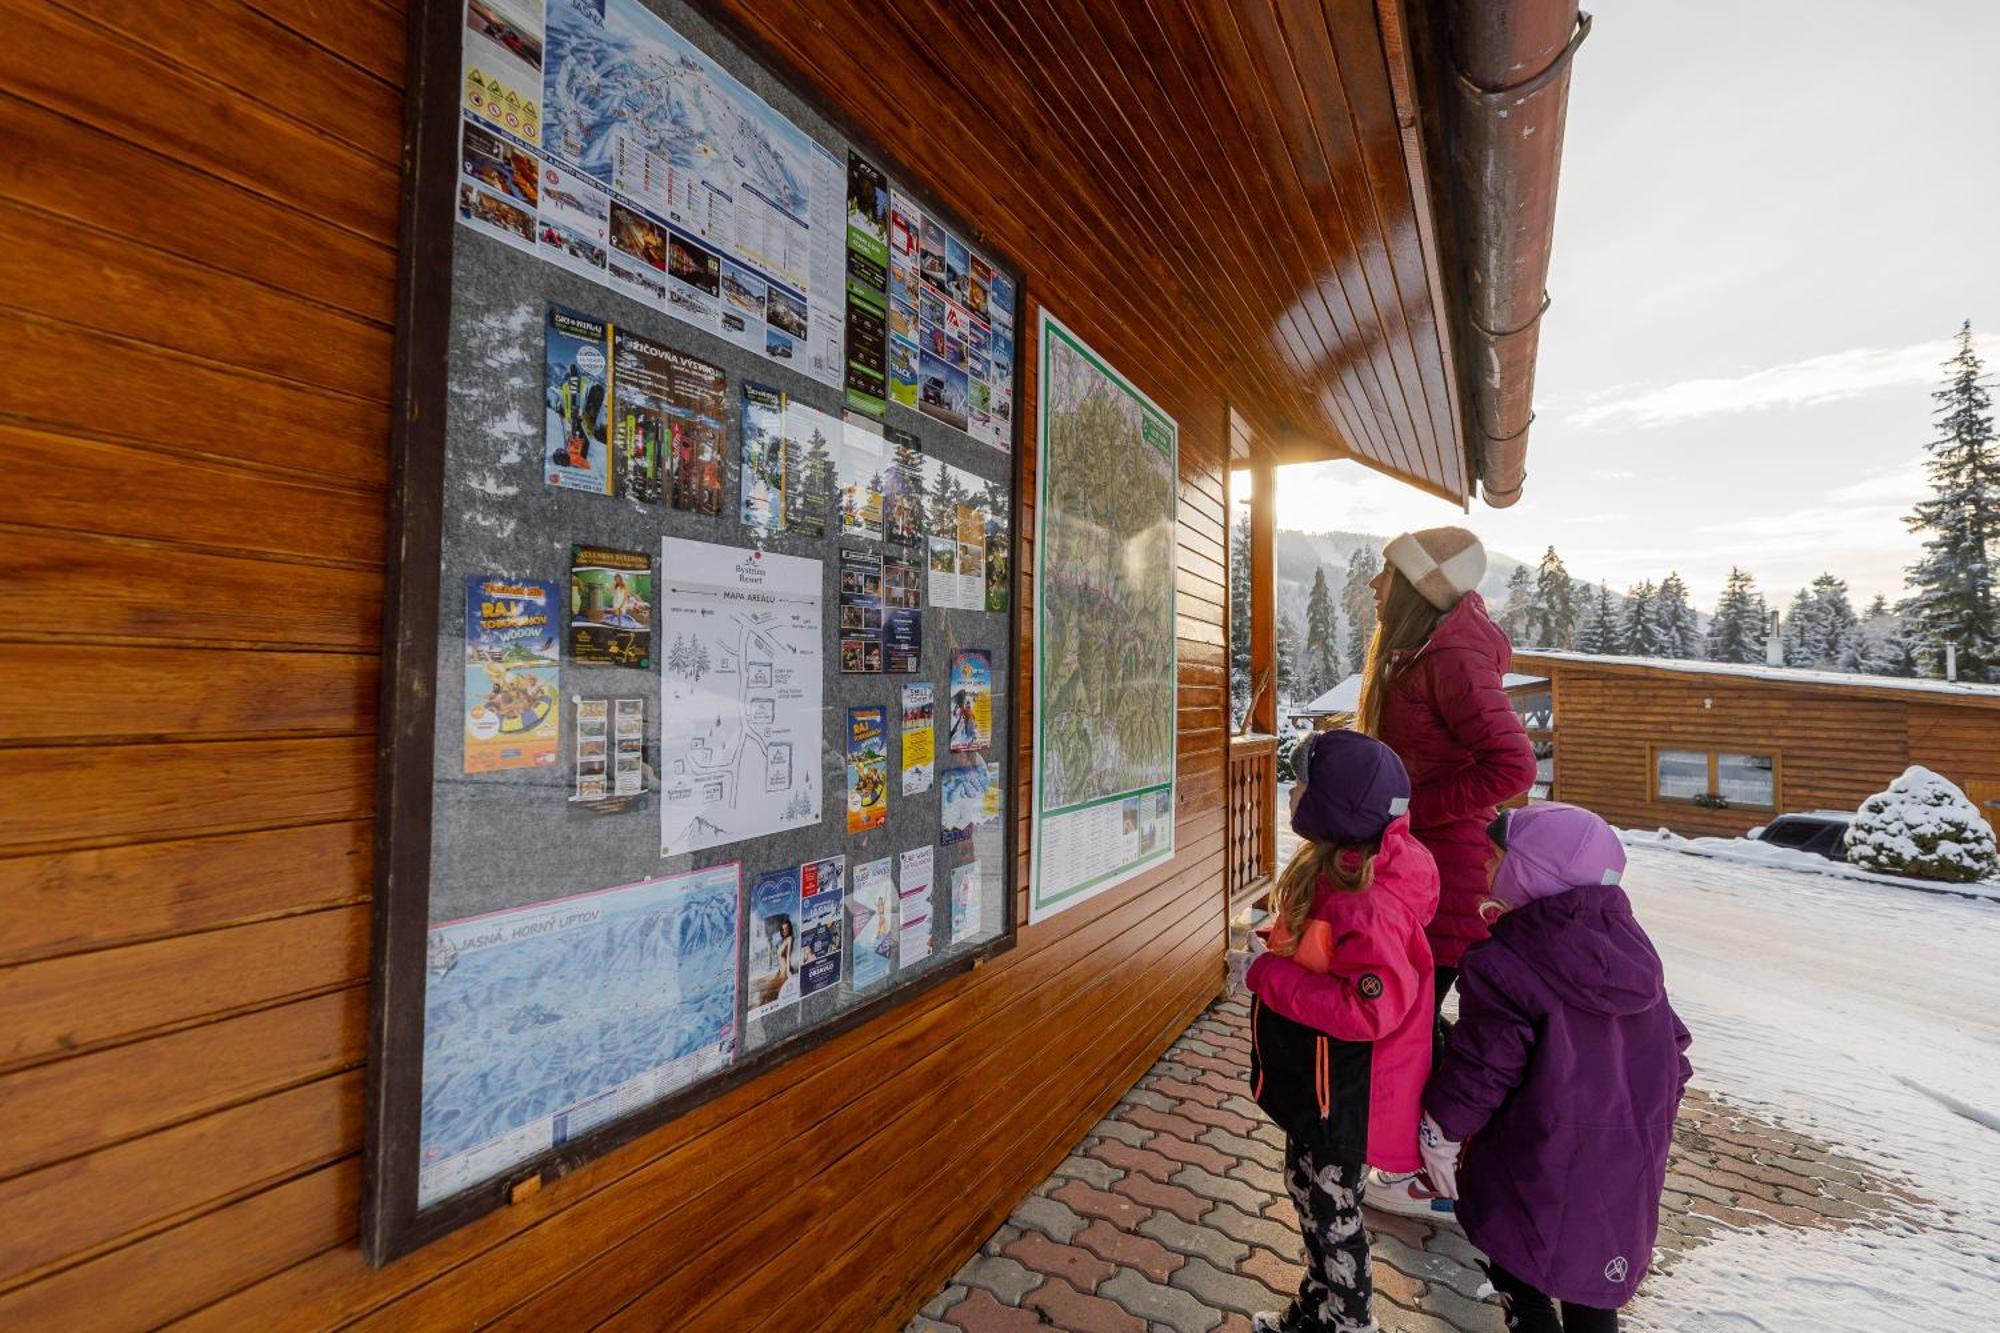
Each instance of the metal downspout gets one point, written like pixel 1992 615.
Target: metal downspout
pixel 1510 73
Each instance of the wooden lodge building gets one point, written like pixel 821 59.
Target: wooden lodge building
pixel 229 221
pixel 1707 748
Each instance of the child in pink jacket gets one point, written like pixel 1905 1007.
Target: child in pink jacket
pixel 1341 1011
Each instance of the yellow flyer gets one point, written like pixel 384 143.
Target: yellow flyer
pixel 513 668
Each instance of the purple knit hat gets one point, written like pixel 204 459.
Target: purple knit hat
pixel 1350 787
pixel 1552 849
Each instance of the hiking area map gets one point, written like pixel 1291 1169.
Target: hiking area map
pixel 1106 660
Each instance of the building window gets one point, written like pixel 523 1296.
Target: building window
pixel 1716 778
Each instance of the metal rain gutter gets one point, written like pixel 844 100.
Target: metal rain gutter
pixel 1510 76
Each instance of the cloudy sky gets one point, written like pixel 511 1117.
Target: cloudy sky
pixel 1772 219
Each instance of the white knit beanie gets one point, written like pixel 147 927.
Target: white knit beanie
pixel 1443 564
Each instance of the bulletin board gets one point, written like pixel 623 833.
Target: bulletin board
pixel 700 655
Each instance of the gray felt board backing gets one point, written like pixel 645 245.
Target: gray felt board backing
pixel 505 839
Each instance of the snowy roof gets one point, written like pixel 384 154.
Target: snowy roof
pixel 1778 675
pixel 1346 696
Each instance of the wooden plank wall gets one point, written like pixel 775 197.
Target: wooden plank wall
pixel 202 211
pixel 1834 749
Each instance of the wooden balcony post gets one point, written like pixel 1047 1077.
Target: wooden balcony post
pixel 1263 599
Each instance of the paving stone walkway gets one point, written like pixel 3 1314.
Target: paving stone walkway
pixel 1170 1215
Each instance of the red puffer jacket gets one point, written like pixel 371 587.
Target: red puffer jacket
pixel 1449 721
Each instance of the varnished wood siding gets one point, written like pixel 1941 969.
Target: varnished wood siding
pixel 202 214
pixel 1834 748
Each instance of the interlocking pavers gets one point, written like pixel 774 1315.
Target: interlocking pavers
pixel 1080 1268
pixel 1139 1252
pixel 1159 1303
pixel 1171 1214
pixel 1192 1241
pixel 1068 1308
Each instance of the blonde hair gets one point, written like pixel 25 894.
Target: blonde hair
pixel 1343 867
pixel 1404 626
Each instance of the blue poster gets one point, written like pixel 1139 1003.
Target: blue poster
pixel 575 452
pixel 774 942
pixel 819 922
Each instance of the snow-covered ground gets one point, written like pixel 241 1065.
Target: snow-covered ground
pixel 1868 1016
pixel 1749 852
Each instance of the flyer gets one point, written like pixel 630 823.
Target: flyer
pixel 696 402
pixel 826 289
pixel 544 1021
pixel 871 911
pixel 962 782
pixel 775 951
pixel 991 810
pixel 819 923
pixel 999 569
pixel 965 902
pixel 640 413
pixel 577 389
pixel 763 458
pixel 610 607
pixel 512 674
pixel 867 348
pixel 902 618
pixel 971 697
pixel 913 905
pixel 943 568
pixel 867 222
pixel 740 687
pixel 861 471
pixel 903 489
pixel 919 738
pixel 610 776
pixel 867 769
pixel 860 611
pixel 811 440
pixel 971 558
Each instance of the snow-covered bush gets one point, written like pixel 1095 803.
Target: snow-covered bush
pixel 1923 826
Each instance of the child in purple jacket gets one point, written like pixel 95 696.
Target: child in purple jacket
pixel 1561 1078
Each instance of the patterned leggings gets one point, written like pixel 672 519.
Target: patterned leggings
pixel 1334 1294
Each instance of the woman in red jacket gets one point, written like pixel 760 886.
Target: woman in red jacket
pixel 1431 691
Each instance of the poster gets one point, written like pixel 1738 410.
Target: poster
pixel 867 223
pixel 695 405
pixel 740 686
pixel 965 902
pixel 999 568
pixel 962 783
pixel 764 457
pixel 919 738
pixel 861 471
pixel 990 811
pixel 545 1021
pixel 577 387
pixel 640 414
pixel 774 942
pixel 503 65
pixel 871 911
pixel 860 611
pixel 1103 781
pixel 819 923
pixel 902 618
pixel 913 905
pixel 867 349
pixel 811 440
pixel 970 692
pixel 710 205
pixel 971 523
pixel 903 489
pixel 609 759
pixel 867 769
pixel 610 607
pixel 512 674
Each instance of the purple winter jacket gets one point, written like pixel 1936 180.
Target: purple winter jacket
pixel 1564 1071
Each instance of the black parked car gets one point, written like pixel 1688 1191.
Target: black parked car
pixel 1823 832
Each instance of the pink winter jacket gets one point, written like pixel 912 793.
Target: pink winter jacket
pixel 1362 974
pixel 1450 722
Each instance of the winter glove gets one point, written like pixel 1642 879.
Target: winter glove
pixel 1240 960
pixel 1440 1157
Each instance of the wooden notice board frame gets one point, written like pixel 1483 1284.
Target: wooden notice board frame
pixel 416 610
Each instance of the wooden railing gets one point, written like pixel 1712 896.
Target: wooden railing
pixel 1253 826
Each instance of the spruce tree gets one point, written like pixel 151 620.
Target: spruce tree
pixel 1952 596
pixel 1833 625
pixel 1555 604
pixel 1680 634
pixel 1288 661
pixel 1640 634
pixel 1357 599
pixel 1239 618
pixel 1896 654
pixel 1320 662
pixel 1517 614
pixel 1737 632
pixel 1796 630
pixel 1599 629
